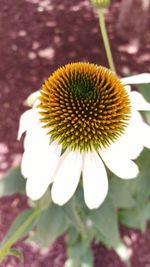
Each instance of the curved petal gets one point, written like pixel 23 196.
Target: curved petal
pixel 119 165
pixel 39 168
pixel 127 145
pixel 95 182
pixel 67 177
pixel 138 101
pixel 27 120
pixel 32 100
pixel 137 79
pixel 36 136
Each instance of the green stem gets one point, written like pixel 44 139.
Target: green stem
pixel 75 219
pixel 5 249
pixel 103 29
pixel 80 224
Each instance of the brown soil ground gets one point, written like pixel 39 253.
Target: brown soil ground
pixel 38 36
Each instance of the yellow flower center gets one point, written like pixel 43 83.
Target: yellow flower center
pixel 85 106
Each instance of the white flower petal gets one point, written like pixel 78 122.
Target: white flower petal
pixel 32 99
pixel 137 79
pixel 27 120
pixel 36 136
pixel 95 182
pixel 127 145
pixel 39 168
pixel 138 101
pixel 67 177
pixel 119 165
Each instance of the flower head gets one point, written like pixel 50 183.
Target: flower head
pixel 85 119
pixel 84 106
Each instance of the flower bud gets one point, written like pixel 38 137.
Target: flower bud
pixel 100 3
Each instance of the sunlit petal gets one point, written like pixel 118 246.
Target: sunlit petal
pixel 32 100
pixel 127 145
pixel 95 182
pixel 36 136
pixel 137 79
pixel 120 165
pixel 139 102
pixel 40 170
pixel 27 120
pixel 67 177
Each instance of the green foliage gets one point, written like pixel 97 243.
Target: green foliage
pixel 105 221
pixel 51 224
pixel 138 215
pixel 141 184
pixel 74 213
pixel 79 253
pixel 145 90
pixel 12 182
pixel 45 201
pixel 120 193
pixel 18 222
pixel 16 253
pixel 20 228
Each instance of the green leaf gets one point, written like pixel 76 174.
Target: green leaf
pixel 129 218
pixel 120 193
pixel 79 254
pixel 17 253
pixel 144 215
pixel 145 90
pixel 21 218
pixel 12 182
pixel 106 222
pixel 71 211
pixel 147 116
pixel 45 201
pixel 51 224
pixel 73 236
pixel 142 182
pixel 136 217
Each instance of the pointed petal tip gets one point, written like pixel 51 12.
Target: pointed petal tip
pixel 19 135
pixel 28 119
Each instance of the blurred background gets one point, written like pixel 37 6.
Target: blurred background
pixel 38 36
